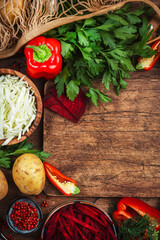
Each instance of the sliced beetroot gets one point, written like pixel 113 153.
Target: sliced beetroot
pixel 52 225
pixel 92 229
pixel 90 214
pixel 64 233
pixel 67 227
pixel 75 234
pixel 71 110
pixel 81 234
pixel 76 107
pixel 89 208
pixel 52 103
pixel 111 233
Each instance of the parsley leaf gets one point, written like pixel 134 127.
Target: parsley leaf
pixel 18 149
pixel 94 94
pixel 72 90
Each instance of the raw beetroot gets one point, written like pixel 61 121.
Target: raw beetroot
pixel 79 221
pixel 71 110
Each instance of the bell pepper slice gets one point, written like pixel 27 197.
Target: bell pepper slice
pixel 148 63
pixel 66 185
pixel 43 57
pixel 129 207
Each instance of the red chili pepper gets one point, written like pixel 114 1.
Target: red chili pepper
pixel 129 207
pixel 66 185
pixel 148 63
pixel 43 57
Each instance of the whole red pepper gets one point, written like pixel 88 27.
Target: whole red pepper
pixel 66 185
pixel 148 63
pixel 129 207
pixel 43 57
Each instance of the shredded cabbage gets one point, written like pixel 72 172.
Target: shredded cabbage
pixel 17 107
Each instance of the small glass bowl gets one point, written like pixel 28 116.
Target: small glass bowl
pixel 73 202
pixel 11 223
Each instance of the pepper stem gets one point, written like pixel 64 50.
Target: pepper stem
pixel 41 53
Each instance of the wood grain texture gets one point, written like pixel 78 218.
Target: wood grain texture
pixel 114 149
pixel 4 71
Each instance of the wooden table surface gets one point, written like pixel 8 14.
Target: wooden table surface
pixel 37 140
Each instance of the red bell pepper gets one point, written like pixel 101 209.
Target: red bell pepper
pixel 148 63
pixel 66 185
pixel 129 207
pixel 43 57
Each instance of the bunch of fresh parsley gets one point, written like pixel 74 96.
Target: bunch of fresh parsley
pixel 18 149
pixel 101 47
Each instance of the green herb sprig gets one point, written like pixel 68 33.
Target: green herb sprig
pixel 135 228
pixel 101 47
pixel 18 149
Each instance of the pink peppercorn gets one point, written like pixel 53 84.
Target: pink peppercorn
pixel 24 216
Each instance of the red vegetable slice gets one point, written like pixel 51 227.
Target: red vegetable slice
pixel 95 231
pixel 111 232
pixel 64 233
pixel 90 214
pixel 66 226
pixel 52 226
pixel 52 103
pixel 75 235
pixel 71 110
pixel 81 234
pixel 76 107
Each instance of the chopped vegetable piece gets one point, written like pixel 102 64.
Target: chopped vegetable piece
pixel 88 213
pixel 82 223
pixel 148 63
pixel 71 110
pixel 81 234
pixel 66 226
pixel 66 185
pixel 17 107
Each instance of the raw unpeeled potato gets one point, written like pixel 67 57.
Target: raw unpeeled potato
pixel 10 9
pixel 29 174
pixel 3 185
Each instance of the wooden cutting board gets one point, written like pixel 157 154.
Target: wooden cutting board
pixel 114 150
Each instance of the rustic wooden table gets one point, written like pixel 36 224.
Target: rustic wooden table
pixel 146 82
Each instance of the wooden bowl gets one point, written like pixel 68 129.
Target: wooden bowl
pixel 39 105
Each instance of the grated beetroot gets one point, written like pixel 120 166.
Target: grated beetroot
pixel 79 221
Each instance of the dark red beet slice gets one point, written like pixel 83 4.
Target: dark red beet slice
pixel 67 227
pixel 64 233
pixel 52 225
pixel 81 234
pixel 92 229
pixel 75 234
pixel 76 108
pixel 84 210
pixel 52 103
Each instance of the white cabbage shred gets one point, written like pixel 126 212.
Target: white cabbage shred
pixel 17 107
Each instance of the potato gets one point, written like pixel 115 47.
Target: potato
pixel 29 174
pixel 3 185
